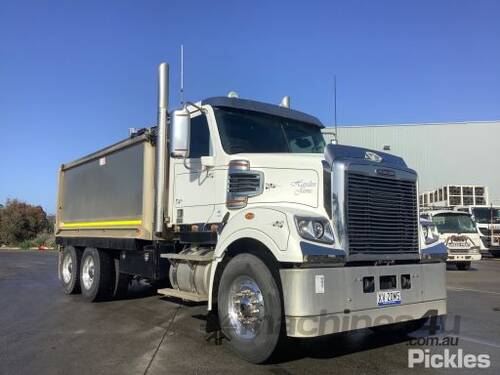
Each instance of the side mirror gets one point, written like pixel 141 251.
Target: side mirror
pixel 180 134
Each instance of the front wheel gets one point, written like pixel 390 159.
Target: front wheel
pixel 250 309
pixel 463 266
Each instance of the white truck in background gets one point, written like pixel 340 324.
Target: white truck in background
pixel 487 219
pixel 459 233
pixel 239 205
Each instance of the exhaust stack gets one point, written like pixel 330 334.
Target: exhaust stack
pixel 161 148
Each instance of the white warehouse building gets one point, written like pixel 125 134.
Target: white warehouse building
pixel 464 153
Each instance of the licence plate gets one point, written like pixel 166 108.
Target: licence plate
pixel 459 245
pixel 392 297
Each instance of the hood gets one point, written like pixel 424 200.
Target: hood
pixel 288 178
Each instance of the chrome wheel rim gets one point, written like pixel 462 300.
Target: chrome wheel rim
pixel 245 307
pixel 88 272
pixel 67 268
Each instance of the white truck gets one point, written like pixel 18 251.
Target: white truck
pixel 487 219
pixel 459 233
pixel 239 205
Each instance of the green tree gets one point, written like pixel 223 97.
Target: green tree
pixel 21 221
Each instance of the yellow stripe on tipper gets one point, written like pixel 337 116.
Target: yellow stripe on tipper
pixel 105 223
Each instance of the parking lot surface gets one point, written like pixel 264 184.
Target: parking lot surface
pixel 44 331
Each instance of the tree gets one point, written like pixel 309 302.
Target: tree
pixel 21 221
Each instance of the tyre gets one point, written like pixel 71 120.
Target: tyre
pixel 97 275
pixel 69 269
pixel 463 266
pixel 250 308
pixel 403 328
pixel 122 281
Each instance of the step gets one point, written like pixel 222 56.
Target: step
pixel 169 292
pixel 191 258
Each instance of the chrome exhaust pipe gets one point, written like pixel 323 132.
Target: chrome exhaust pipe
pixel 161 149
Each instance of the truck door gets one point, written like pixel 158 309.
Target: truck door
pixel 194 185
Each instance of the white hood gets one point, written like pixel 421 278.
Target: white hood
pixel 288 178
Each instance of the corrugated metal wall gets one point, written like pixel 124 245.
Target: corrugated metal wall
pixel 454 153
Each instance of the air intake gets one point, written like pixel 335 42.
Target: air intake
pixel 242 183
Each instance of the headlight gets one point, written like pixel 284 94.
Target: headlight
pixel 431 234
pixel 314 229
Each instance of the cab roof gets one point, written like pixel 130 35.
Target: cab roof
pixel 255 106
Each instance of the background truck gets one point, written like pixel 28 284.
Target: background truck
pixel 460 235
pixel 239 205
pixel 487 219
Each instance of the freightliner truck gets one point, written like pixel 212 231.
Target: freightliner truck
pixel 239 205
pixel 487 219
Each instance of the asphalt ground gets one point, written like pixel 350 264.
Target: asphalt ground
pixel 44 331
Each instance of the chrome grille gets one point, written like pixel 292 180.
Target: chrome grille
pixel 244 183
pixel 381 215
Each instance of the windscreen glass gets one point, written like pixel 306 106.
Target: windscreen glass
pixel 454 223
pixel 253 132
pixel 485 215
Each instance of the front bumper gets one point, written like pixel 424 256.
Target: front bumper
pixel 463 257
pixel 321 301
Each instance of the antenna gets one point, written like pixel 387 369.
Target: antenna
pixel 335 107
pixel 182 75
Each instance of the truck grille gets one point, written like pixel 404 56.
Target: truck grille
pixel 381 215
pixel 244 183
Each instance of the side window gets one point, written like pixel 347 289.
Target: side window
pixel 199 144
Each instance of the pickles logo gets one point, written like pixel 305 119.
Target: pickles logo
pixel 448 359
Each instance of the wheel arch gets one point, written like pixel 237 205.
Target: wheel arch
pixel 243 245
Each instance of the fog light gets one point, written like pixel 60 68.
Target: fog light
pixel 405 281
pixel 368 284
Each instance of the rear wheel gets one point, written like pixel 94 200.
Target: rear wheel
pixel 250 308
pixel 463 266
pixel 69 269
pixel 97 275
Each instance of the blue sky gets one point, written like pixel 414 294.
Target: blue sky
pixel 75 75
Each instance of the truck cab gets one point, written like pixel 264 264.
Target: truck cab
pixel 487 219
pixel 459 233
pixel 242 153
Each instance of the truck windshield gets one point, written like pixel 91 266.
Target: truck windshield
pixel 485 214
pixel 252 132
pixel 454 223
